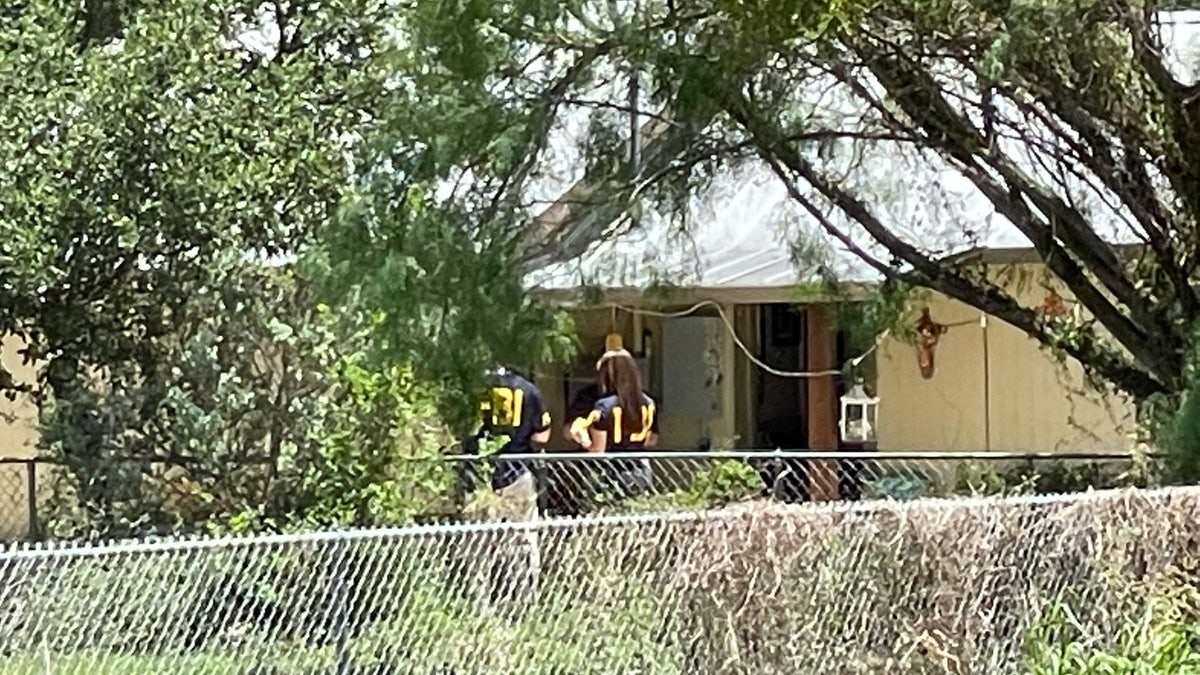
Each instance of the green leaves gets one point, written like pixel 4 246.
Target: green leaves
pixel 1156 635
pixel 139 167
pixel 428 237
pixel 153 152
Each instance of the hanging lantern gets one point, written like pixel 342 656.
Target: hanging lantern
pixel 857 424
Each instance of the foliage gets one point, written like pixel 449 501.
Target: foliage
pixel 1043 477
pixel 264 413
pixel 888 310
pixel 720 484
pixel 448 304
pixel 161 159
pixel 984 479
pixel 431 234
pixel 156 155
pixel 725 482
pixel 161 156
pixel 1182 438
pixel 1161 638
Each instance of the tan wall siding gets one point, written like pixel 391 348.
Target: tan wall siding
pixel 18 440
pixel 18 419
pixel 945 412
pixel 1032 402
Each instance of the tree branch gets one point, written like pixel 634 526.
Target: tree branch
pixel 1142 333
pixel 987 298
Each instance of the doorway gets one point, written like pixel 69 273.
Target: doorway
pixel 780 401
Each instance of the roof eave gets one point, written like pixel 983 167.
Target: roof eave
pixel 676 295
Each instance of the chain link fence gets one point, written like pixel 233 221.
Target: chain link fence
pixel 576 484
pixel 928 586
pixel 19 499
pixel 37 497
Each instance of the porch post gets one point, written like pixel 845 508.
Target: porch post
pixel 821 353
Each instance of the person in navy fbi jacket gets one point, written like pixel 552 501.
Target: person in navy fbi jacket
pixel 623 419
pixel 513 410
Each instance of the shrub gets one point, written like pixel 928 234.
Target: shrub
pixel 1157 633
pixel 266 414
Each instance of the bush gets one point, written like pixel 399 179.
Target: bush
pixel 721 483
pixel 264 412
pixel 937 587
pixel 1047 477
pixel 1160 633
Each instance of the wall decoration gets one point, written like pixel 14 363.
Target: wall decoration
pixel 1052 306
pixel 929 332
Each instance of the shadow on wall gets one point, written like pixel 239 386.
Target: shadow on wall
pixel 19 513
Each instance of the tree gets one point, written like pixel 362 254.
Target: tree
pixel 446 182
pixel 1073 121
pixel 1084 89
pixel 157 155
pixel 148 152
pixel 265 409
pixel 1063 116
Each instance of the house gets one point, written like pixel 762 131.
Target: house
pixel 709 326
pixel 703 348
pixel 736 296
pixel 993 388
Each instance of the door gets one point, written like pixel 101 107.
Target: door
pixel 779 412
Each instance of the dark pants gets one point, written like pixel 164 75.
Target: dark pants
pixel 628 480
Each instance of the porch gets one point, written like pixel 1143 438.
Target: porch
pixel 727 375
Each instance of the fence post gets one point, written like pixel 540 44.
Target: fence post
pixel 35 525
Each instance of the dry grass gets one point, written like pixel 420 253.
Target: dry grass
pixel 932 586
pixel 958 586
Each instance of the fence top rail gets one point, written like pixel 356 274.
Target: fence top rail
pixel 32 552
pixel 20 460
pixel 886 455
pixel 763 453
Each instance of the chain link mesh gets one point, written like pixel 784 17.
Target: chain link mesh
pixel 17 510
pixel 580 484
pixel 41 499
pixel 946 586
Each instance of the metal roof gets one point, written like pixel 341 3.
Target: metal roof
pixel 745 230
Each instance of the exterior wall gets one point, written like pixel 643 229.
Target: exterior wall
pixel 18 438
pixel 18 419
pixel 993 388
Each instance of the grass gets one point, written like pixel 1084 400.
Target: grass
pixel 618 634
pixel 1159 636
pixel 431 633
pixel 106 663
